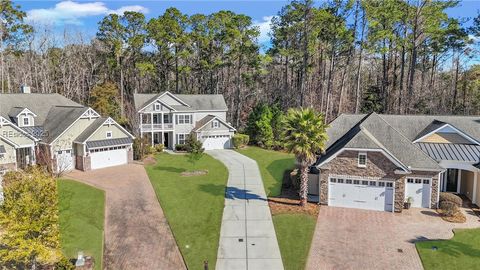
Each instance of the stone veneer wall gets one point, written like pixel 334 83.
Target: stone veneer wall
pixel 83 163
pixel 130 155
pixel 378 166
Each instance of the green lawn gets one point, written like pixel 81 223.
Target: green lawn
pixel 272 167
pixel 294 233
pixel 460 252
pixel 81 214
pixel 193 205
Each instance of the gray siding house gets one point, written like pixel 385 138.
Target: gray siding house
pixel 168 119
pixel 378 162
pixel 53 130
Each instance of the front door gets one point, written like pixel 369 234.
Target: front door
pixel 165 139
pixel 452 180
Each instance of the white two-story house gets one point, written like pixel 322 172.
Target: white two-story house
pixel 169 119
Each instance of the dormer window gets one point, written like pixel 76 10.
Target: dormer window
pixel 157 107
pixel 215 124
pixel 362 160
pixel 26 121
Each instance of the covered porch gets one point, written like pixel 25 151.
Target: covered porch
pixel 461 181
pixel 161 137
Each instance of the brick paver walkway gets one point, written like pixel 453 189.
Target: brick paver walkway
pixel 137 235
pixel 362 239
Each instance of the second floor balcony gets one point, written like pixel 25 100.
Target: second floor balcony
pixel 156 121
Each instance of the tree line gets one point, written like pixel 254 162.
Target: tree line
pixel 339 56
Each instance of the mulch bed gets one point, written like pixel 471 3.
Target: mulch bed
pixel 150 160
pixel 194 173
pixel 288 203
pixel 459 217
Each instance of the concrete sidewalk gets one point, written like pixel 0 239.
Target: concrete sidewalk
pixel 247 236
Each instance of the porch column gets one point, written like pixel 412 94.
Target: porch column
pixel 459 180
pixel 475 180
pixel 161 121
pixel 141 123
pixel 151 126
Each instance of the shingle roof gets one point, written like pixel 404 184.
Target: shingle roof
pixel 200 123
pixel 372 131
pixel 14 111
pixel 40 104
pixel 109 142
pixel 196 102
pixel 59 119
pixel 90 129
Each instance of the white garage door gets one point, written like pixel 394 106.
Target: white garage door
pixel 419 191
pixel 107 157
pixel 361 193
pixel 212 142
pixel 65 161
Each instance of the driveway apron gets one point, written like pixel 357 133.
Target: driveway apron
pixel 247 236
pixel 137 235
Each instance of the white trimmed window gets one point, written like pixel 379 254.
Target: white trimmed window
pixel 184 119
pixel 109 134
pixel 26 121
pixel 215 124
pixel 181 138
pixel 362 160
pixel 157 107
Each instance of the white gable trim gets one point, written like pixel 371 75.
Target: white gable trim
pixel 216 118
pixel 174 97
pixel 5 122
pixel 385 153
pixel 88 114
pixel 155 101
pixel 109 121
pixel 5 139
pixel 463 134
pixel 26 111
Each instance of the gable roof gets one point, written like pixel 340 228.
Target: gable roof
pixel 207 119
pixel 93 127
pixel 196 102
pixel 373 132
pixel 40 104
pixel 59 120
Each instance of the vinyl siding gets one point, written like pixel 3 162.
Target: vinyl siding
pixel 101 133
pixel 65 141
pixel 10 156
pixel 15 136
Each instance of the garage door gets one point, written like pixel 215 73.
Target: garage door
pixel 107 157
pixel 65 161
pixel 361 193
pixel 419 190
pixel 212 142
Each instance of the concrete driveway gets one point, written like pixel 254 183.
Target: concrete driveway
pixel 247 236
pixel 137 235
pixel 363 239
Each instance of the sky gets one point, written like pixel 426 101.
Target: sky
pixel 85 15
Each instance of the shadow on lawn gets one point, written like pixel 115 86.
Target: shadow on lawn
pixel 170 169
pixel 451 247
pixel 277 169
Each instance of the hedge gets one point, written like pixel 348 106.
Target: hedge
pixel 240 140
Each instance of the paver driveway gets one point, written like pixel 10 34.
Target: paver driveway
pixel 137 235
pixel 362 239
pixel 247 236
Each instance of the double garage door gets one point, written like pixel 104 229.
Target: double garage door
pixel 108 156
pixel 211 142
pixel 361 193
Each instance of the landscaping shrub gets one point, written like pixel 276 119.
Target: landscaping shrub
pixel 140 148
pixel 449 208
pixel 240 140
pixel 159 148
pixel 450 197
pixel 181 147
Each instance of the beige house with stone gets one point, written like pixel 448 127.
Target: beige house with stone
pixel 379 162
pixel 53 130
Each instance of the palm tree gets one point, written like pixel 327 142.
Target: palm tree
pixel 305 136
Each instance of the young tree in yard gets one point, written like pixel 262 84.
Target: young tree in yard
pixel 194 148
pixel 29 235
pixel 305 136
pixel 104 100
pixel 259 126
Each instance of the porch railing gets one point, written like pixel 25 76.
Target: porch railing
pixel 150 127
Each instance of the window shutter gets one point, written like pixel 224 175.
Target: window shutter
pixel 176 119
